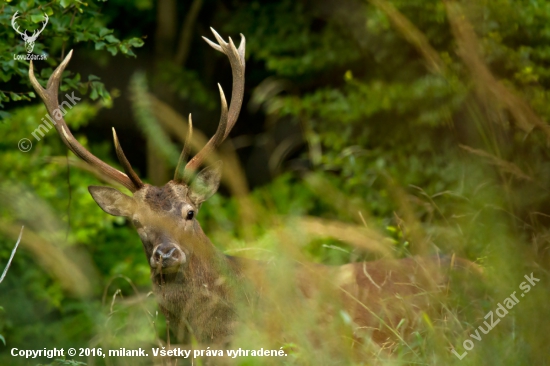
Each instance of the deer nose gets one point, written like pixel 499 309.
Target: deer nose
pixel 161 254
pixel 166 256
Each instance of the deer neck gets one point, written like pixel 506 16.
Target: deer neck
pixel 199 294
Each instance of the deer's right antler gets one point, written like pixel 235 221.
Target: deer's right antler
pixel 228 117
pixel 49 96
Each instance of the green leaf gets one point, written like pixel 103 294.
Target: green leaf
pixel 66 3
pixel 112 49
pixel 93 77
pixel 135 42
pixel 99 45
pixel 37 18
pixel 104 31
pixel 15 97
pixel 2 339
pixel 112 39
pixel 94 95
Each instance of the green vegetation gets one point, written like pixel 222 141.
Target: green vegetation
pixel 421 125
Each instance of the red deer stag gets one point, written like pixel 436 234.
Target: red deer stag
pixel 195 282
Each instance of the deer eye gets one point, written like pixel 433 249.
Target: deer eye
pixel 136 223
pixel 190 215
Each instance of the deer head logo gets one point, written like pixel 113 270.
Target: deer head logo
pixel 29 40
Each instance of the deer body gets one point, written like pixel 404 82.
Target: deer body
pixel 196 284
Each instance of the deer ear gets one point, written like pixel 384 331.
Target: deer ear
pixel 112 201
pixel 206 183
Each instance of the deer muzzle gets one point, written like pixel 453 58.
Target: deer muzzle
pixel 167 256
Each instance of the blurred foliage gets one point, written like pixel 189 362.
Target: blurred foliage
pixel 387 111
pixel 146 120
pixel 388 143
pixel 186 84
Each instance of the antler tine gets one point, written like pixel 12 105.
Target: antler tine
pixel 125 163
pixel 49 97
pixel 237 61
pixel 214 141
pixel 228 117
pixel 179 175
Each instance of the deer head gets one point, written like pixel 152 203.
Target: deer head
pixel 29 40
pixel 165 217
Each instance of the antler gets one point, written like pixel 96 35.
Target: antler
pixel 227 118
pixel 15 26
pixel 49 96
